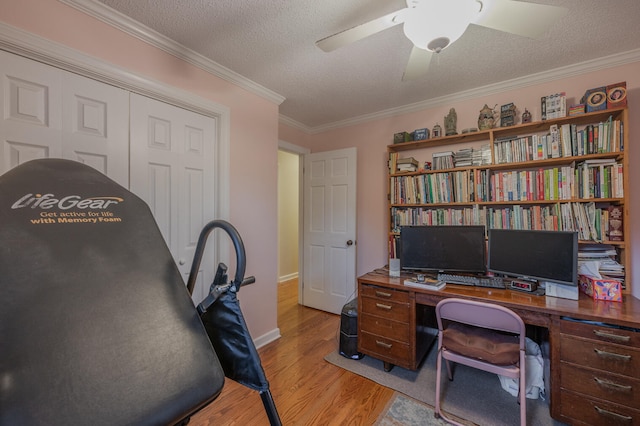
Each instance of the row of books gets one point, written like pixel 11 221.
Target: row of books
pixel 584 181
pixel 590 221
pixel 442 160
pixel 474 215
pixel 590 179
pixel 456 186
pixel 561 141
pixel 599 179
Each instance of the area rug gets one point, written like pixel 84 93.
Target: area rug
pixel 404 411
pixel 473 395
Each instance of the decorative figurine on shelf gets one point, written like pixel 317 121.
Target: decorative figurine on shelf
pixel 437 131
pixel 450 122
pixel 526 116
pixel 486 120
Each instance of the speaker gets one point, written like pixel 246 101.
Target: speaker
pixel 394 267
pixel 349 331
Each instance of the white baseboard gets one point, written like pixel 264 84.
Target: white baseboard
pixel 269 337
pixel 288 277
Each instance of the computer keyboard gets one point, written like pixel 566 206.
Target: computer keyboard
pixel 492 282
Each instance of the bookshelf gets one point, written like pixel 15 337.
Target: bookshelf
pixel 568 173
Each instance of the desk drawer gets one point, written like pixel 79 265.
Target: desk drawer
pixel 385 327
pixel 385 309
pixel 600 356
pixel 598 384
pixel 595 412
pixel 385 293
pixel 601 333
pixel 396 352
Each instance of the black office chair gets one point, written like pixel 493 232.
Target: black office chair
pixel 484 336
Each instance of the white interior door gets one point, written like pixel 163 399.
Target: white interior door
pixel 172 157
pixel 329 275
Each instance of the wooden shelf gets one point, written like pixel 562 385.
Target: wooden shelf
pixel 499 135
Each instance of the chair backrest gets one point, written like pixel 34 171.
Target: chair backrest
pixel 480 314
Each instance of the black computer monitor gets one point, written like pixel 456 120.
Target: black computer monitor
pixel 443 248
pixel 536 255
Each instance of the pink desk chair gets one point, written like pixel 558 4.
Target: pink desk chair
pixel 484 336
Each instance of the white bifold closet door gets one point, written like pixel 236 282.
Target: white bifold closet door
pixel 173 153
pixel 162 153
pixel 47 112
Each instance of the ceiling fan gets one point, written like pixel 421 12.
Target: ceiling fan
pixel 433 25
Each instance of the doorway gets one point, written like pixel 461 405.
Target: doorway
pixel 290 167
pixel 316 231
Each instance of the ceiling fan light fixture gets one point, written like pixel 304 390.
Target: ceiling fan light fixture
pixel 437 44
pixel 435 24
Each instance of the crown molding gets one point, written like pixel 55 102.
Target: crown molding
pixel 136 29
pixel 568 71
pixel 283 119
pixel 31 46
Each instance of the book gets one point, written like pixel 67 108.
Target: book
pixel 429 284
pixel 408 160
pixel 407 167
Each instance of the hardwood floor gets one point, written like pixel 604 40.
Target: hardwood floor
pixel 307 390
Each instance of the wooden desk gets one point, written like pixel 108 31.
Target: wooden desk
pixel 594 345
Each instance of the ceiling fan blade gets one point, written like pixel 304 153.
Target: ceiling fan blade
pixel 361 31
pixel 418 64
pixel 517 17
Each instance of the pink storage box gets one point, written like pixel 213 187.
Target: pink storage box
pixel 601 289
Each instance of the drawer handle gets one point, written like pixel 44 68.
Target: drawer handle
pixel 620 417
pixel 384 344
pixel 611 336
pixel 382 294
pixel 613 385
pixel 383 306
pixel 606 354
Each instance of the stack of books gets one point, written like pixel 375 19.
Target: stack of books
pixel 604 255
pixel 577 109
pixel 409 164
pixel 428 283
pixel 463 157
pixel 482 156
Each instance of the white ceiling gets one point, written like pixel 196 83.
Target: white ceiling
pixel 272 43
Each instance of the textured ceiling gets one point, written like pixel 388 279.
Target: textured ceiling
pixel 272 43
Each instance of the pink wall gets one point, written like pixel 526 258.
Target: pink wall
pixel 371 139
pixel 254 133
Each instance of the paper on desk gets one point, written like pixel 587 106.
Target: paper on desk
pixel 590 268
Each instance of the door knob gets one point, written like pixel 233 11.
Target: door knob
pixel 349 243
